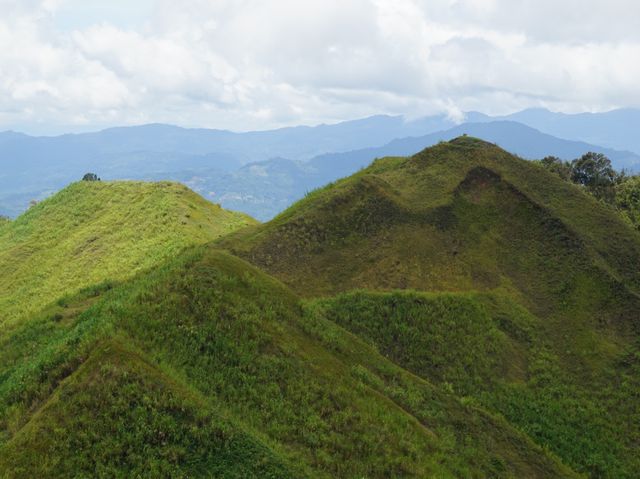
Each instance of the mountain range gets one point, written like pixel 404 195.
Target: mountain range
pixel 616 129
pixel 263 189
pixel 215 161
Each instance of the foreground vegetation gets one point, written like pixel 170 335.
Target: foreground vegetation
pixel 269 386
pixel 461 313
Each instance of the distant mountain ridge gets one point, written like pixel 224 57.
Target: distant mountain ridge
pixel 35 167
pixel 264 189
pixel 32 168
pixel 617 129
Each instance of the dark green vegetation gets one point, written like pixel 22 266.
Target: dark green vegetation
pixel 96 231
pixel 469 218
pixel 90 177
pixel 459 313
pixel 594 172
pixel 628 200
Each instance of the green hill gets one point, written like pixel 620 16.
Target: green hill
pixel 458 314
pixel 91 232
pixel 465 217
pixel 208 367
pixel 458 206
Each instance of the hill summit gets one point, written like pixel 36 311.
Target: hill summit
pixel 556 269
pixel 92 232
pixel 445 219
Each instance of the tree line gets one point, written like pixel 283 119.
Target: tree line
pixel 594 172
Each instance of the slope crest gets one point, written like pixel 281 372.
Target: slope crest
pixel 94 231
pixel 425 201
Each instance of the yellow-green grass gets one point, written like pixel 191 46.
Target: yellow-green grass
pixel 208 339
pixel 91 232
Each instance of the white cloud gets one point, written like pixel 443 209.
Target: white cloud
pixel 246 64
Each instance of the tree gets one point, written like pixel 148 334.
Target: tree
pixel 90 177
pixel 594 172
pixel 628 199
pixel 557 166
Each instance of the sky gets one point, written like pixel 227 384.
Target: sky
pixel 79 65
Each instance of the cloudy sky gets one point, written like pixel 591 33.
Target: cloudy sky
pixel 77 65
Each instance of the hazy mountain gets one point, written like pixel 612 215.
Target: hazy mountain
pixel 618 129
pixel 31 168
pixel 264 189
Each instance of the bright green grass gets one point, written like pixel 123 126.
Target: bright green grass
pixel 96 231
pixel 298 390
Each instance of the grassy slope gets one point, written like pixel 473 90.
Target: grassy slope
pixel 495 353
pixel 291 387
pixel 467 217
pixel 119 416
pixel 541 336
pixel 94 231
pixel 360 226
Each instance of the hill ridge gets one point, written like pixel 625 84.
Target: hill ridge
pixel 97 231
pixel 382 170
pixel 476 218
pixel 294 351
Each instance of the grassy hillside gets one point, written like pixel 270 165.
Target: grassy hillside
pixel 118 415
pixel 455 204
pixel 458 314
pixel 468 218
pixel 94 231
pixel 117 377
pixel 495 353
